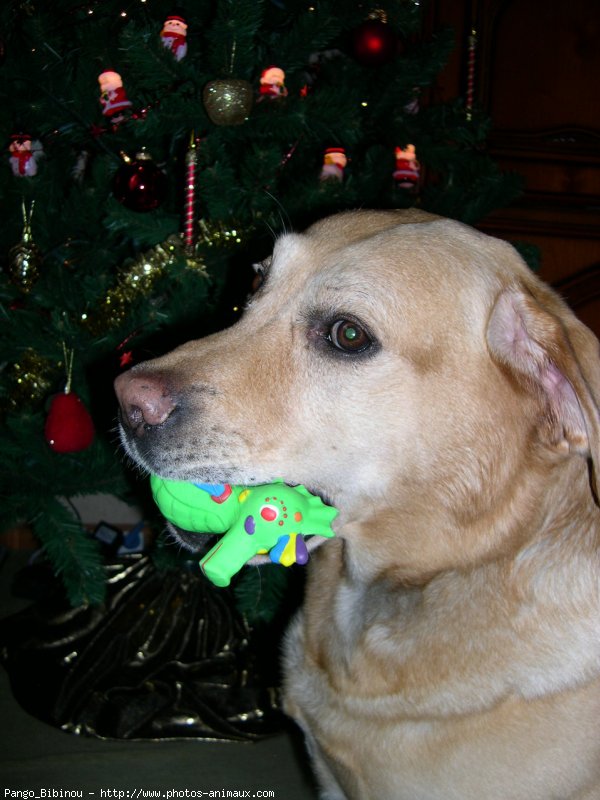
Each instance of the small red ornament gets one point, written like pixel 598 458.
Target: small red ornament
pixel 139 184
pixel 374 43
pixel 126 359
pixel 69 427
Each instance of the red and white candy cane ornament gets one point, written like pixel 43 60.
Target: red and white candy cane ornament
pixel 191 161
pixel 471 74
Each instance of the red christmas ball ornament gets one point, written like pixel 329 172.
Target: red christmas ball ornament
pixel 374 43
pixel 69 426
pixel 139 183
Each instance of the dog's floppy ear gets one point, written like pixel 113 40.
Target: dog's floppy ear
pixel 548 350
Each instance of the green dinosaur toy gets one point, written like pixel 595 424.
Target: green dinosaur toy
pixel 271 518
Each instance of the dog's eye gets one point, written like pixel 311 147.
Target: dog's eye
pixel 349 336
pixel 261 270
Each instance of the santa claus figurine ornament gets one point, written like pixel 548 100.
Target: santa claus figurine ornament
pixel 113 97
pixel 272 84
pixel 174 36
pixel 408 170
pixel 334 164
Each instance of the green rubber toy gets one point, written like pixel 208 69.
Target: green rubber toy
pixel 271 518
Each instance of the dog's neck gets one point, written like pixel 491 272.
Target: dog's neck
pixel 512 593
pixel 428 539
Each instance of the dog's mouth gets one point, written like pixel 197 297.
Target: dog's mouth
pixel 197 543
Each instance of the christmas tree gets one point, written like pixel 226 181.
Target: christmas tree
pixel 152 154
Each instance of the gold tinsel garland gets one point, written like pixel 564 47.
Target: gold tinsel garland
pixel 31 378
pixel 138 276
pixel 136 279
pixel 218 234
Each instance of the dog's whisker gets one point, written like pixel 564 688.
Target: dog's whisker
pixel 286 227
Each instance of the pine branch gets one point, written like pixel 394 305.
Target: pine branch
pixel 73 553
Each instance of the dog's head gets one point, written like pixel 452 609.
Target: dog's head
pixel 409 369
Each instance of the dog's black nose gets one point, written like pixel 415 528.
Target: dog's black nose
pixel 145 400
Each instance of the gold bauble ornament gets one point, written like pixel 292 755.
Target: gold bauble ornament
pixel 228 101
pixel 25 258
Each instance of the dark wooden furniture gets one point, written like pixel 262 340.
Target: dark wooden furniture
pixel 537 75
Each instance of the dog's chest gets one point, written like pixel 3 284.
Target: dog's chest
pixel 404 696
pixel 378 749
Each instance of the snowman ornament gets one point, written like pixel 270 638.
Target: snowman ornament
pixel 24 154
pixel 174 36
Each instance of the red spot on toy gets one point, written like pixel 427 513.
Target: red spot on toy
pixel 269 513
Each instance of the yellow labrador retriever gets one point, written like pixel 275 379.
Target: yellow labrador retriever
pixel 416 374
